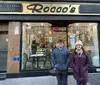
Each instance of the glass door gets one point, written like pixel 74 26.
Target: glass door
pixel 59 33
pixel 3 46
pixel 3 51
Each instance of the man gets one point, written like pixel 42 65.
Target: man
pixel 34 46
pixel 34 49
pixel 60 61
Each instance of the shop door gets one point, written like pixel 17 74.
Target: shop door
pixel 3 51
pixel 59 33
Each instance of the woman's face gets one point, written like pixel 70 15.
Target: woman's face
pixel 78 47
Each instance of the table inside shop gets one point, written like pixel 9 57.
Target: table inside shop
pixel 37 56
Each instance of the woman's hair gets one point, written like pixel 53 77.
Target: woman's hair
pixel 84 51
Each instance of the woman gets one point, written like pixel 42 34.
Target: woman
pixel 80 64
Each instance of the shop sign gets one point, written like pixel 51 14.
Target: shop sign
pixel 53 8
pixel 49 8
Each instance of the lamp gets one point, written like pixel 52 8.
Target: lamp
pixel 77 32
pixel 39 32
pixel 69 33
pixel 50 32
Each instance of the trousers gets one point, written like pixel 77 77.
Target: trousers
pixel 61 77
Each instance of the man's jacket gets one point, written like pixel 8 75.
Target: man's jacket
pixel 60 58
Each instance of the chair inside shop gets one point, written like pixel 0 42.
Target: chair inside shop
pixel 47 57
pixel 28 60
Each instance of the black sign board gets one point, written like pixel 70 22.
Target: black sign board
pixel 11 7
pixel 89 9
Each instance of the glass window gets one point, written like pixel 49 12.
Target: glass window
pixel 87 33
pixel 36 46
pixel 38 40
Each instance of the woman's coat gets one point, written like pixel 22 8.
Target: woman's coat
pixel 80 67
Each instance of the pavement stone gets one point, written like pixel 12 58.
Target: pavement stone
pixel 44 80
pixel 8 81
pixel 94 78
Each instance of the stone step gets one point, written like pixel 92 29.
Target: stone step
pixel 2 76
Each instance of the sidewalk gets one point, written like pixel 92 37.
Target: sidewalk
pixel 45 80
pixel 94 78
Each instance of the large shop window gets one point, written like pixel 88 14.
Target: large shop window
pixel 36 46
pixel 38 41
pixel 87 33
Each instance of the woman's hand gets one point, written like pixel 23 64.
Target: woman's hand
pixel 83 70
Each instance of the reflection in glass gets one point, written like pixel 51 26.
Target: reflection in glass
pixel 87 33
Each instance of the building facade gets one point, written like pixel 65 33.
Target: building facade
pixel 29 31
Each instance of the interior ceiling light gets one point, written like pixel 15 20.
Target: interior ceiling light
pixel 42 24
pixel 28 24
pixel 77 24
pixel 77 32
pixel 90 24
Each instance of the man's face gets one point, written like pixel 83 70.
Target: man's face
pixel 60 44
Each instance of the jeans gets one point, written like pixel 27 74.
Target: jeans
pixel 80 83
pixel 61 77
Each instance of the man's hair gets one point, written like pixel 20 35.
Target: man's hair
pixel 60 41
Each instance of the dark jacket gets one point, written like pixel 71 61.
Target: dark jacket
pixel 80 67
pixel 34 47
pixel 60 58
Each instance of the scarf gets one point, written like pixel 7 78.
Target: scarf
pixel 60 48
pixel 79 52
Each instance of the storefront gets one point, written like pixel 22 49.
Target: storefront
pixel 29 32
